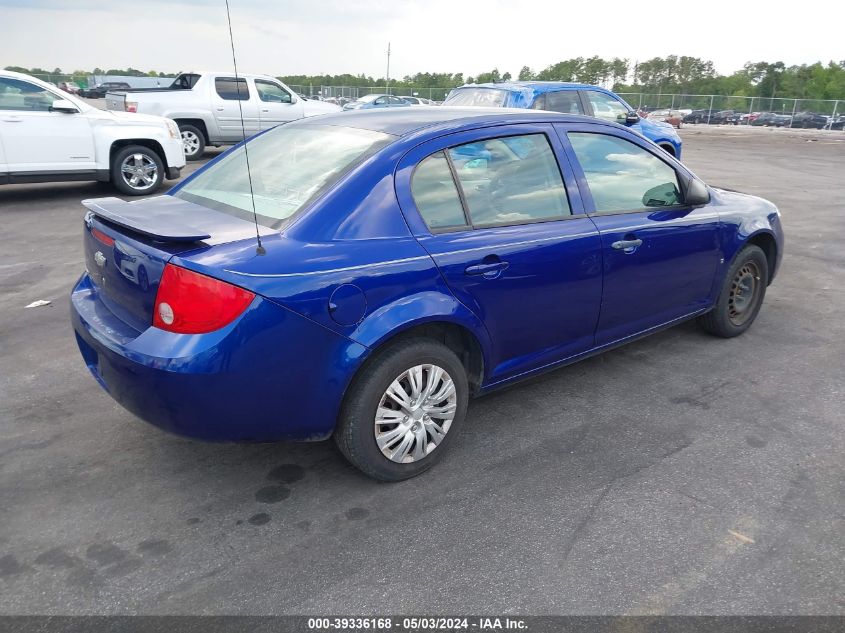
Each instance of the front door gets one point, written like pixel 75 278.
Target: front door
pixel 659 254
pixel 34 138
pixel 509 236
pixel 276 105
pixel 232 99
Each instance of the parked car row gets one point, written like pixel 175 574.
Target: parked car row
pixel 65 138
pixel 99 91
pixel 772 119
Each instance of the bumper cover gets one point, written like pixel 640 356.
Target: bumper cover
pixel 270 375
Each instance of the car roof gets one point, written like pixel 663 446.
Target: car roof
pixel 405 121
pixel 536 86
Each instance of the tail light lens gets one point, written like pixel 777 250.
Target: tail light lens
pixel 191 303
pixel 131 106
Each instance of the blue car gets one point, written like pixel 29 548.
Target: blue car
pixel 369 102
pixel 409 259
pixel 567 98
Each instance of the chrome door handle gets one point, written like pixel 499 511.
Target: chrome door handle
pixel 627 245
pixel 12 119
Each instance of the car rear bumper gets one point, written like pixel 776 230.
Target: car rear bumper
pixel 269 375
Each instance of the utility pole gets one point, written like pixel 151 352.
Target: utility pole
pixel 387 78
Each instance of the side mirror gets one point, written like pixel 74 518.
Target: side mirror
pixel 632 118
pixel 63 105
pixel 697 193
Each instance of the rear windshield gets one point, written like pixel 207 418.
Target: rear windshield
pixel 290 166
pixel 490 97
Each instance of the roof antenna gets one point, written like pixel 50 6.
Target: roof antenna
pixel 260 249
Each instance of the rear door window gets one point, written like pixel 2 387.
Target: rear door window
pixel 510 180
pixel 231 89
pixel 565 101
pixel 436 195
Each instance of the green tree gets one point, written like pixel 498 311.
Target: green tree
pixel 526 74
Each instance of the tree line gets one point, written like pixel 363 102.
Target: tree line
pixel 668 75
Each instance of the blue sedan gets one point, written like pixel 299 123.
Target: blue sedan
pixel 568 98
pixel 380 268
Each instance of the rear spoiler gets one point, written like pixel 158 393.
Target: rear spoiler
pixel 156 221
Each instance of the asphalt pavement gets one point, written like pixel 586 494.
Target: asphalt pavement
pixel 681 474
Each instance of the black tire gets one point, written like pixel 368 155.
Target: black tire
pixel 192 132
pixel 729 318
pixel 355 433
pixel 145 156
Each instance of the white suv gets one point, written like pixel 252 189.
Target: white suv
pixel 47 135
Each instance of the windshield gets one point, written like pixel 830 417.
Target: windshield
pixel 290 165
pixel 489 97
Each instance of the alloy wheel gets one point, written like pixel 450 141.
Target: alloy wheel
pixel 190 142
pixel 139 171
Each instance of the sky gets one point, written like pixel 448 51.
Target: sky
pixel 471 36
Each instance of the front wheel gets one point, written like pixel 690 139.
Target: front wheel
pixel 403 409
pixel 137 170
pixel 741 296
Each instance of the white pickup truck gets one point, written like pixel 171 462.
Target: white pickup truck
pixel 205 105
pixel 48 136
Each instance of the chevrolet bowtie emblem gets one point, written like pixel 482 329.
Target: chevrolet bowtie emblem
pixel 99 259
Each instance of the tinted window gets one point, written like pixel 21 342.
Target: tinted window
pixel 22 95
pixel 290 165
pixel 623 176
pixel 435 193
pixel 510 180
pixel 268 91
pixel 565 101
pixel 231 89
pixel 607 107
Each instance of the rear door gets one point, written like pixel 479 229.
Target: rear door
pixel 504 224
pixel 230 98
pixel 275 104
pixel 565 101
pixel 37 140
pixel 659 254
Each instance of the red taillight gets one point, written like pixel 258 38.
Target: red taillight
pixel 102 237
pixel 131 106
pixel 191 303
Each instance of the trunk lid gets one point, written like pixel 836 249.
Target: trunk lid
pixel 127 245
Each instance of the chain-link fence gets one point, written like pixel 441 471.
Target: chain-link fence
pixel 356 92
pixel 795 112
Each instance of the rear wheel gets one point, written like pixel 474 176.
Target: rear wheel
pixel 403 410
pixel 137 170
pixel 741 295
pixel 193 141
